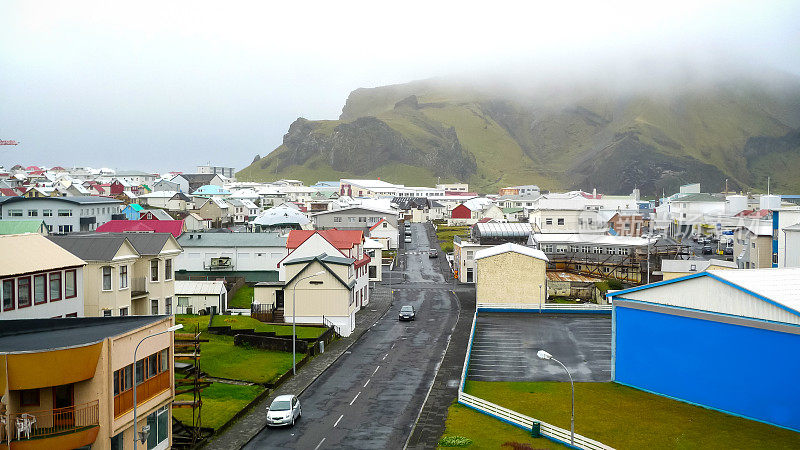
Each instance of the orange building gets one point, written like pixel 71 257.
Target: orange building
pixel 68 383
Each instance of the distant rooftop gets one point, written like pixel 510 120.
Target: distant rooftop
pixel 232 240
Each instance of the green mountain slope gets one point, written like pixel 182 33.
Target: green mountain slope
pixel 424 131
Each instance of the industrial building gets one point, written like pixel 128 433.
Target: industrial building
pixel 721 339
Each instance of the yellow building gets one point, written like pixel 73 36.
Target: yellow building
pixel 511 275
pixel 676 268
pixel 68 383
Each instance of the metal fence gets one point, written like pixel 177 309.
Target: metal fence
pixel 547 430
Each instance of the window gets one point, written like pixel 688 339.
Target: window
pixel 469 254
pixel 39 289
pixel 164 361
pixel 106 278
pixel 168 306
pixel 585 249
pixel 64 213
pixel 362 219
pixel 168 267
pixel 337 220
pixel 154 270
pixel 55 286
pixel 23 292
pixel 33 213
pixel 123 312
pixel 29 397
pixel 65 228
pixel 139 372
pixel 8 294
pixel 159 422
pixel 597 250
pixel 580 221
pixel 547 248
pixel 154 306
pixel 15 212
pixel 123 277
pixel 351 219
pixel 47 212
pixel 561 221
pixel 106 313
pixel 574 248
pixel 548 221
pixel 589 221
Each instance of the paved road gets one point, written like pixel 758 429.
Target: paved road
pixel 370 398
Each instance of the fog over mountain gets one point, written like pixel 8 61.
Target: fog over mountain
pixel 167 86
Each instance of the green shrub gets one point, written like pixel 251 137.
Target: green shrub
pixel 454 441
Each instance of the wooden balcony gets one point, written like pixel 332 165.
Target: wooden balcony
pixel 144 392
pixel 73 426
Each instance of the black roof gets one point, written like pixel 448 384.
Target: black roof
pixel 90 247
pixel 47 334
pixel 96 246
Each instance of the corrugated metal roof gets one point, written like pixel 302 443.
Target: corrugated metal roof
pixel 91 247
pixel 569 276
pixel 503 229
pixel 597 239
pixel 779 285
pixel 232 240
pixel 20 226
pixel 199 287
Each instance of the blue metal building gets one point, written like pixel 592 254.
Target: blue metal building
pixel 725 339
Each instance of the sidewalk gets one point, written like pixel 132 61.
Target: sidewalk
pixel 238 434
pixel 431 423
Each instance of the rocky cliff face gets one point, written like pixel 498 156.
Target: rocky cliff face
pixel 420 132
pixel 367 143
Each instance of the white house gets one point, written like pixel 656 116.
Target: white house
pixel 194 296
pixel 385 233
pixel 374 250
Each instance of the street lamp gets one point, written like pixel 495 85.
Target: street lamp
pixel 170 329
pixel 544 355
pixel 294 314
pixel 540 299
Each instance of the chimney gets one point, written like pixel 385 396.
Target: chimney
pixel 594 193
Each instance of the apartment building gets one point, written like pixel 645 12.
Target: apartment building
pixel 752 246
pixel 353 218
pixel 126 273
pixel 39 279
pixel 62 214
pixel 68 383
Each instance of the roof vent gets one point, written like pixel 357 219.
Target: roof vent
pixel 190 236
pixel 199 236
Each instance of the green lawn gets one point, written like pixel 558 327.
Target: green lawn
pixel 220 358
pixel 243 298
pixel 220 402
pixel 623 417
pixel 488 432
pixel 444 233
pixel 247 322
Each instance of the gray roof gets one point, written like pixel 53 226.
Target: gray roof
pixel 159 213
pixel 197 177
pixel 232 240
pixel 701 197
pixel 79 200
pixel 91 247
pixel 148 244
pixel 46 334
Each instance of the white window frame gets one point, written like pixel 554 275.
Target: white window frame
pixel 103 279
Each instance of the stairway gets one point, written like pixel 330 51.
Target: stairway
pixel 278 315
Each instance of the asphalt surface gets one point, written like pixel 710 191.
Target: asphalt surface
pixel 372 395
pixel 505 344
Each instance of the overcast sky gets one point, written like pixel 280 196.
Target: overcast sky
pixel 168 85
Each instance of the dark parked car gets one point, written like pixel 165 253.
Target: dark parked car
pixel 432 253
pixel 707 250
pixel 407 313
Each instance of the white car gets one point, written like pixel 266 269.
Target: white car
pixel 284 410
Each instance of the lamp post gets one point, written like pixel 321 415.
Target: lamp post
pixel 168 330
pixel 540 299
pixel 544 355
pixel 294 320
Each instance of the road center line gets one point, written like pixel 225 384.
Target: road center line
pixel 365 384
pixel 354 398
pixel 376 369
pixel 337 421
pixel 320 444
pixel 384 357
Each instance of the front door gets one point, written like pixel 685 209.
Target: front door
pixel 279 299
pixel 63 406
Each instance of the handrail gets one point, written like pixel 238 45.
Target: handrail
pixel 330 324
pixel 49 422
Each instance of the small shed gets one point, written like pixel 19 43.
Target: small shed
pixel 196 296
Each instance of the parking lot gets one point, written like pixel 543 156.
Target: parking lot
pixel 505 344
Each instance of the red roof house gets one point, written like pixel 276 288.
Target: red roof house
pixel 143 226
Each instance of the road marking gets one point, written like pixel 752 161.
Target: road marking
pixel 376 369
pixel 365 384
pixel 384 357
pixel 337 421
pixel 354 398
pixel 392 345
pixel 320 444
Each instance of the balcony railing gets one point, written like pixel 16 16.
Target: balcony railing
pixel 138 286
pixel 50 422
pixel 148 389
